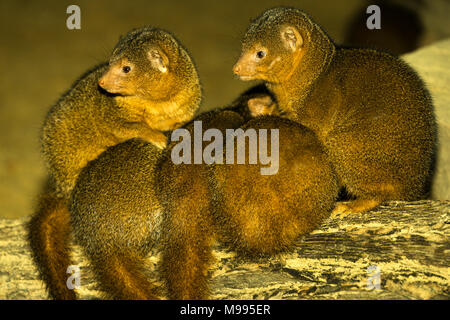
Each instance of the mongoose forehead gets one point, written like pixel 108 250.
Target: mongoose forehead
pixel 141 39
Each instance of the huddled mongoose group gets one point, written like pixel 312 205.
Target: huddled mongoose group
pixel 254 214
pixel 150 85
pixel 353 119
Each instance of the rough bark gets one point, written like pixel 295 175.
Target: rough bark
pixel 406 242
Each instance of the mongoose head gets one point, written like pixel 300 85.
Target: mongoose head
pixel 148 63
pixel 278 42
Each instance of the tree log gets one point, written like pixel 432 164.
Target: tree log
pixel 399 251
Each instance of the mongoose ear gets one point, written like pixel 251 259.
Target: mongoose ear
pixel 158 59
pixel 292 39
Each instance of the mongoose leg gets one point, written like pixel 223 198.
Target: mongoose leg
pixel 130 130
pixel 49 235
pixel 122 276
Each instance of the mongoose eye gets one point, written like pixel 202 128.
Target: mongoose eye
pixel 260 54
pixel 126 69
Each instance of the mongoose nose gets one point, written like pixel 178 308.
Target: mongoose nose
pixel 101 83
pixel 236 69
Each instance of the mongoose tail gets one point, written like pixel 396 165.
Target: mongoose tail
pixel 49 234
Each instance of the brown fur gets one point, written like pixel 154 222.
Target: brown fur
pixel 87 120
pixel 115 217
pixel 122 197
pixel 137 104
pixel 369 109
pixel 264 214
pixel 188 228
pixel 49 236
pixel 255 214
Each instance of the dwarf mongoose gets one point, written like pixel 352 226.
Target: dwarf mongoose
pixel 150 85
pixel 370 110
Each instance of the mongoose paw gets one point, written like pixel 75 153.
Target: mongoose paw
pixel 343 209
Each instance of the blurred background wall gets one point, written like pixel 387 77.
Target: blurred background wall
pixel 40 58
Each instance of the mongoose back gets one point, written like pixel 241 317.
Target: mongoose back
pixel 150 85
pixel 370 110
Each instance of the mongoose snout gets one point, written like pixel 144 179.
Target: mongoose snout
pixel 244 70
pixel 118 78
